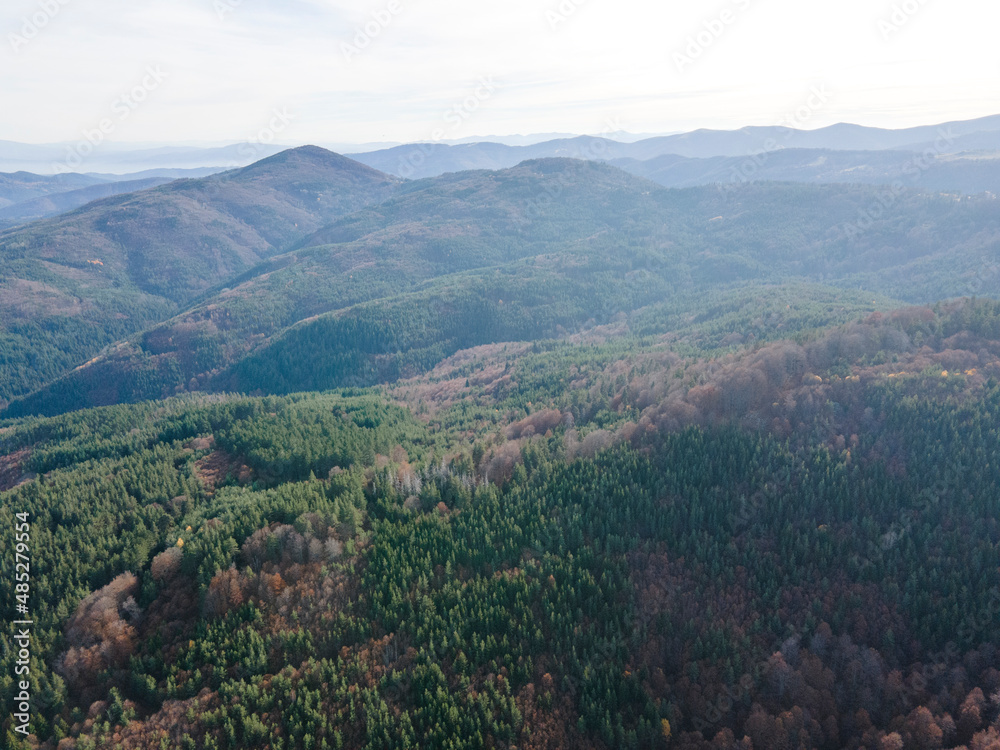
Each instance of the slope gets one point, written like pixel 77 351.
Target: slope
pixel 533 252
pixel 967 173
pixel 432 159
pixel 57 203
pixel 22 186
pixel 72 284
pixel 794 545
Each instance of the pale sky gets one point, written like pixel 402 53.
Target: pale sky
pixel 459 68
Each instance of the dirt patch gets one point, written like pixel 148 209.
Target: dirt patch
pixel 26 298
pixel 12 472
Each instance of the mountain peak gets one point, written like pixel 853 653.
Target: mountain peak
pixel 304 158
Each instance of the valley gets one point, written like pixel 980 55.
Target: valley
pixel 546 455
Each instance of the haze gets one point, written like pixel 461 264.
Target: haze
pixel 590 66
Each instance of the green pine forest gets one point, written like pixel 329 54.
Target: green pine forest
pixel 547 558
pixel 454 466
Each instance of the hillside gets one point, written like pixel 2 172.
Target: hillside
pixel 867 144
pixel 22 186
pixel 598 543
pixel 969 173
pixel 56 203
pixel 532 252
pixel 73 284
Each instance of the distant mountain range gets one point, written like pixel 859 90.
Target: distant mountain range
pixel 498 152
pixel 430 159
pixel 972 172
pixel 26 197
pixel 241 282
pixel 197 281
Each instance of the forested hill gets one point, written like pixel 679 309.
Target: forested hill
pixel 754 144
pixel 73 284
pixel 531 252
pixel 603 542
pixel 968 173
pixel 57 203
pixel 16 187
pixel 548 457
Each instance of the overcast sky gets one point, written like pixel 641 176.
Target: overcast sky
pixel 218 70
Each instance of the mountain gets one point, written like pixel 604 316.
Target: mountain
pixel 840 137
pixel 73 284
pixel 609 541
pixel 432 159
pixel 539 250
pixel 165 172
pixel 23 186
pixel 605 465
pixel 430 229
pixel 27 197
pixel 988 141
pixel 498 152
pixel 967 172
pixel 57 203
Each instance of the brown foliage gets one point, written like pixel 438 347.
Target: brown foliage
pixel 970 715
pixel 227 590
pixel 498 465
pixel 216 466
pixel 100 633
pixel 166 564
pixel 920 730
pixel 988 740
pixel 535 424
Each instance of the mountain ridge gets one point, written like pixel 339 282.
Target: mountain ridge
pixel 112 267
pixel 527 252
